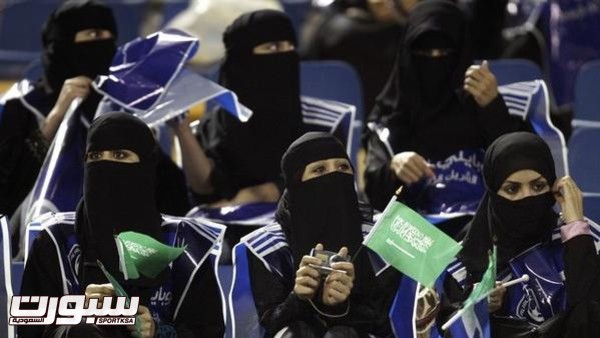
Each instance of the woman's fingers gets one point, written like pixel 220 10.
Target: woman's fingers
pixel 570 199
pixel 307 281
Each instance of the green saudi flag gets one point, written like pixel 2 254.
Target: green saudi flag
pixel 487 283
pixel 142 254
pixel 411 244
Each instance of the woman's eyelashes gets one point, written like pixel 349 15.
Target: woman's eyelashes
pixel 539 186
pixel 514 188
pixel 319 169
pixel 120 155
pixel 94 156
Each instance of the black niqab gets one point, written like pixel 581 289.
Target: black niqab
pixel 422 101
pixel 62 57
pixel 269 84
pixel 323 209
pixel 117 197
pixel 517 225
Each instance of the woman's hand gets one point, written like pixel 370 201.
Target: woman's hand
pixel 71 89
pixel 308 278
pixel 569 197
pixel 410 167
pixel 496 297
pixel 481 83
pixel 98 291
pixel 338 285
pixel 147 325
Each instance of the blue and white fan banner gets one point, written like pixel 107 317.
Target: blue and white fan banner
pixel 148 77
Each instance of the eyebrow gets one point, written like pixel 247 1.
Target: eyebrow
pixel 533 180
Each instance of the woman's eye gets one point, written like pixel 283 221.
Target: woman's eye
pixel 119 155
pixel 511 189
pixel 344 167
pixel 93 156
pixel 319 170
pixel 539 186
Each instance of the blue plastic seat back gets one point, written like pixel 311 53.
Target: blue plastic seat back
pixel 6 290
pixel 338 81
pixel 587 100
pixel 591 206
pixel 584 159
pixel 515 70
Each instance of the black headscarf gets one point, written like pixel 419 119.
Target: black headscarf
pixel 117 197
pixel 270 86
pixel 62 57
pixel 323 209
pixel 422 102
pixel 517 225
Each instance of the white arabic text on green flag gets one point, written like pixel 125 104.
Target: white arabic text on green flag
pixel 411 244
pixel 141 254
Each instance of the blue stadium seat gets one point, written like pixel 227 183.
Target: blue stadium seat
pixel 591 206
pixel 515 70
pixel 338 81
pixel 584 159
pixel 587 100
pixel 6 284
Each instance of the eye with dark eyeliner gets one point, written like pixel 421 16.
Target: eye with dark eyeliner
pixel 511 188
pixel 119 155
pixel 538 186
pixel 319 169
pixel 94 156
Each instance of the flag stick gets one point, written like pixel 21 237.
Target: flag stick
pixel 524 278
pixel 460 312
pixel 396 196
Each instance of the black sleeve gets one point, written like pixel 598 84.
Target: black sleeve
pixel 213 141
pixel 496 120
pixel 380 182
pixel 582 270
pixel 41 277
pixel 277 306
pixel 201 314
pixel 22 151
pixel 171 189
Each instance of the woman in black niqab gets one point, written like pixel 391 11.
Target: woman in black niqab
pixel 117 197
pixel 323 210
pixel 248 154
pixel 27 127
pixel 516 225
pixel 519 223
pixel 428 105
